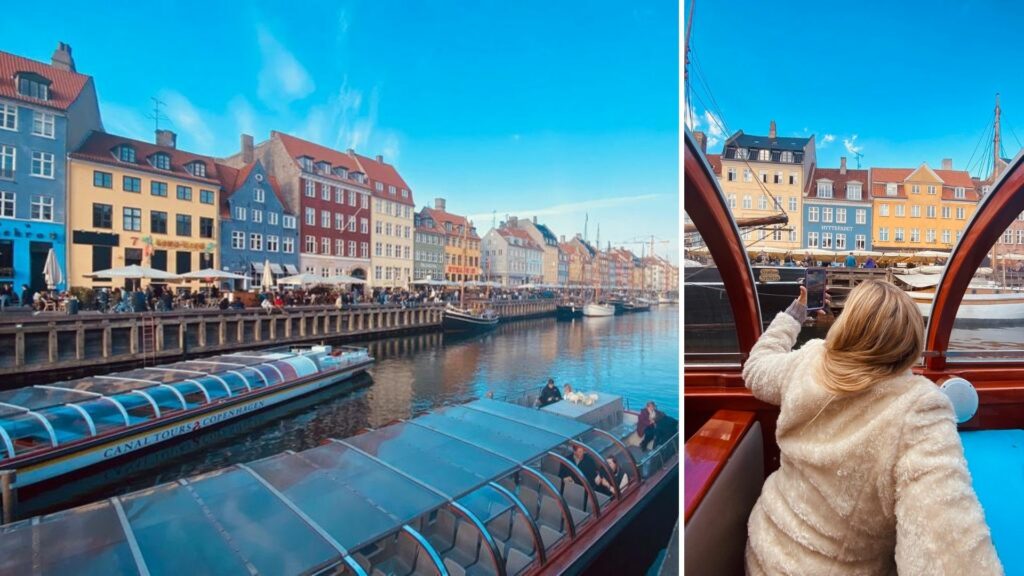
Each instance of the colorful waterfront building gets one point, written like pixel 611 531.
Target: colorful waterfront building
pixel 46 110
pixel 563 266
pixel 132 202
pixel 546 239
pixel 461 243
pixel 391 237
pixel 581 257
pixel 328 191
pixel 764 176
pixel 511 256
pixel 428 248
pixel 837 210
pixel 920 209
pixel 256 227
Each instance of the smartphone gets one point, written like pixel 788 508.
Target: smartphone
pixel 814 281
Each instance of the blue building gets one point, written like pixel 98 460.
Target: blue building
pixel 255 226
pixel 46 110
pixel 837 210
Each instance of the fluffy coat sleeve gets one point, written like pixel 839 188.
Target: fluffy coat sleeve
pixel 769 367
pixel 940 525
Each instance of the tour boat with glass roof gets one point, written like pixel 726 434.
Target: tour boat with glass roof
pixel 730 444
pixel 50 430
pixel 487 487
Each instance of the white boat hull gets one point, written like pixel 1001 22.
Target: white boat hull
pixel 982 307
pixel 599 310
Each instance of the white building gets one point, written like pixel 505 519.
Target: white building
pixel 510 256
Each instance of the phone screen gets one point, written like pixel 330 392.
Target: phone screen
pixel 815 283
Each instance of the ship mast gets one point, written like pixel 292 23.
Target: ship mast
pixel 996 158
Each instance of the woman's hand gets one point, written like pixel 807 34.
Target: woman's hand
pixel 802 299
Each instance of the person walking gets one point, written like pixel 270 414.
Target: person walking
pixel 851 261
pixel 872 478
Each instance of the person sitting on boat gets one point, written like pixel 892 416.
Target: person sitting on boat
pixel 584 462
pixel 618 478
pixel 647 426
pixel 566 389
pixel 549 394
pixel 872 478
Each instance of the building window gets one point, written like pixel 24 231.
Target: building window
pixel 310 217
pixel 764 177
pixel 364 226
pixel 310 245
pixel 931 211
pixel 352 248
pixel 196 169
pixel 132 219
pixel 102 179
pixel 325 219
pixel 1020 236
pixel 102 216
pixel 131 184
pixel 257 195
pixel 812 214
pixel 288 221
pixel 272 243
pixel 310 189
pixel 883 209
pixel 364 202
pixel 959 193
pixel 364 249
pixel 339 221
pixel 883 234
pixel 125 153
pixel 8 155
pixel 840 215
pixel 826 240
pixel 915 235
pixel 206 196
pixel 42 164
pixel 931 190
pixel 184 193
pixel 183 262
pixel 325 192
pixel 238 240
pixel 161 161
pixel 861 216
pixel 379 186
pixel 272 218
pixel 826 214
pixel 899 235
pixel 840 241
pixel 730 174
pixel 824 189
pixel 860 242
pixel 762 202
pixel 764 155
pixel 8 116
pixel 325 245
pixel 930 236
pixel 945 212
pixel 900 210
pixel 158 188
pixel 946 236
pixel 6 204
pixel 205 227
pixel 157 222
pixel 183 225
pixel 378 249
pixel 792 204
pixel 33 86
pixel 339 247
pixel 961 213
pixel 255 242
pixel 787 157
pixel 351 198
pixel 241 213
pixel 915 189
pixel 42 208
pixel 288 245
pixel 42 124
pixel 853 191
pixel 377 273
pixel 778 178
pixel 352 224
pixel 915 211
pixel 890 189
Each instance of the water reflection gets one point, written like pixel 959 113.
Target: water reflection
pixel 635 355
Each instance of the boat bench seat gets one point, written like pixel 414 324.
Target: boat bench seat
pixel 467 545
pixel 995 459
pixel 441 533
pixel 516 562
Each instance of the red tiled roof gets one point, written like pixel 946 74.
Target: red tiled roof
pixel 522 235
pixel 64 88
pixel 950 180
pixel 99 146
pixel 231 179
pixel 297 147
pixel 386 174
pixel 839 183
pixel 442 217
pixel 716 163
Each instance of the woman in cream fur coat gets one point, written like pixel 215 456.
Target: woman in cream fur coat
pixel 872 477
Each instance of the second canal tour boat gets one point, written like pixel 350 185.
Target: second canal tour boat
pixel 50 430
pixel 460 320
pixel 487 487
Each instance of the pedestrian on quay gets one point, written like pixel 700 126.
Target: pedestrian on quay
pixel 26 295
pixel 878 443
pixel 5 296
pixel 851 261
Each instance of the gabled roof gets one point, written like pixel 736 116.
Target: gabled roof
pixel 442 217
pixel 231 179
pixel 99 147
pixel 386 174
pixel 546 232
pixel 435 226
pixel 716 163
pixel 839 183
pixel 522 235
pixel 297 148
pixel 65 86
pixel 950 180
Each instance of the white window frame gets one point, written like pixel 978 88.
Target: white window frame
pixel 44 204
pixel 883 234
pixel 915 211
pixel 960 193
pixel 241 213
pixel 8 152
pixel 255 242
pixel 7 199
pixel 272 218
pixel 890 189
pixel 325 219
pixel 273 243
pixel 8 117
pixel 824 189
pixel 826 214
pixel 826 240
pixel 325 246
pixel 860 242
pixel 44 124
pixel 883 209
pixel 257 216
pixel 812 213
pixel 861 216
pixel 237 240
pixel 840 215
pixel 840 241
pixel 289 221
pixel 854 191
pixel 901 211
pixel 44 159
pixel 258 195
pixel 288 245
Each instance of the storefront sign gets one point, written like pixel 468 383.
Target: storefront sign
pixel 95 238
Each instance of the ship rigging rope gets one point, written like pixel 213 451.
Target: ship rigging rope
pixel 985 131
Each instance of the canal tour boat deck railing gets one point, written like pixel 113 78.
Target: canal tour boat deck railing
pixel 485 487
pixel 43 418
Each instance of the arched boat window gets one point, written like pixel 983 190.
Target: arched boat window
pixel 611 447
pixel 68 424
pixel 523 515
pixel 571 472
pixel 8 445
pixel 286 370
pixel 271 375
pixel 253 377
pixel 29 432
pixel 421 542
pixel 105 413
pixel 168 398
pixel 490 544
pixel 553 486
pixel 194 393
pixel 215 388
pixel 303 366
pixel 236 381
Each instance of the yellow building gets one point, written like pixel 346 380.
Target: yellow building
pixel 920 209
pixel 391 236
pixel 461 243
pixel 764 176
pixel 131 202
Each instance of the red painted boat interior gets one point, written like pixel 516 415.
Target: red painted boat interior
pixel 707 452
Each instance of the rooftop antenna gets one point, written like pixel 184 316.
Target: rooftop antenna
pixel 858 156
pixel 156 115
pixel 585 222
pixel 494 218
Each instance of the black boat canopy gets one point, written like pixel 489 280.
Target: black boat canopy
pixel 295 512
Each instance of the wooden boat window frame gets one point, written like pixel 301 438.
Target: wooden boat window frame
pixel 426 547
pixel 538 542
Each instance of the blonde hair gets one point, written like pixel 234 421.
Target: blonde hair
pixel 879 333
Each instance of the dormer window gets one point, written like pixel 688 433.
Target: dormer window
pixel 405 193
pixel 125 153
pixel 323 167
pixel 853 191
pixel 306 162
pixel 764 155
pixel 161 161
pixel 787 157
pixel 379 186
pixel 340 172
pixel 890 189
pixel 392 190
pixel 742 153
pixel 196 169
pixel 824 188
pixel 33 85
pixel 959 193
pixel 358 177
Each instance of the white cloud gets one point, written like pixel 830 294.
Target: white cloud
pixel 716 131
pixel 575 207
pixel 188 120
pixel 127 121
pixel 827 139
pixel 282 79
pixel 692 119
pixel 851 145
pixel 243 115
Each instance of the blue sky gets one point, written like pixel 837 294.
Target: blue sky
pixel 900 82
pixel 554 109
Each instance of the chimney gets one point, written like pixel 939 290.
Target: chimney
pixel 166 138
pixel 535 219
pixel 62 59
pixel 561 239
pixel 350 152
pixel 247 149
pixel 702 140
pixel 439 204
pixel 947 163
pixel 842 164
pixel 380 159
pixel 513 222
pixel 771 129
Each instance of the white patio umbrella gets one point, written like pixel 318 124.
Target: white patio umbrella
pixel 303 279
pixel 134 271
pixel 51 271
pixel 931 254
pixel 210 274
pixel 343 279
pixel 267 280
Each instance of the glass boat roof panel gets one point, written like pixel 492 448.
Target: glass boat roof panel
pixel 564 426
pixel 514 440
pixel 101 385
pixel 448 464
pixel 175 535
pixel 270 535
pixel 352 497
pixel 68 424
pixel 34 398
pixel 254 357
pixel 58 544
pixel 486 503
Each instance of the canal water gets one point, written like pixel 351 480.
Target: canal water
pixel 634 355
